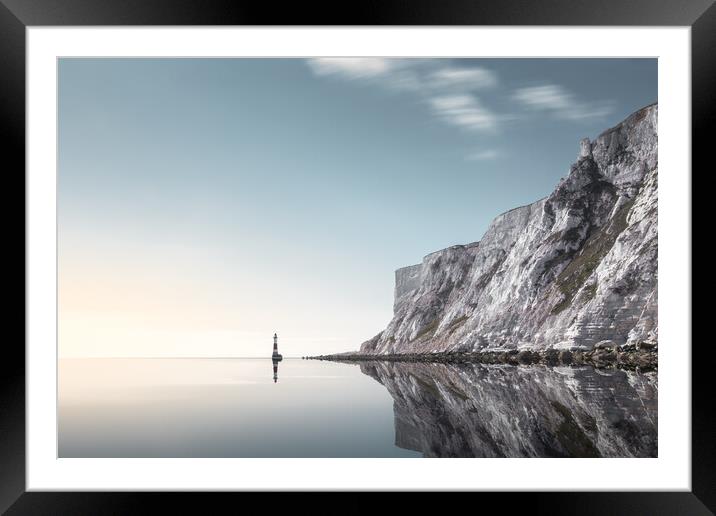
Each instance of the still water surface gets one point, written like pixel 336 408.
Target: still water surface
pixel 236 408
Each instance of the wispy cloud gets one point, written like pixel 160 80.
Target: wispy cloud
pixel 483 155
pixel 426 76
pixel 456 93
pixel 464 111
pixel 463 78
pixel 351 67
pixel 448 89
pixel 562 104
pixel 395 73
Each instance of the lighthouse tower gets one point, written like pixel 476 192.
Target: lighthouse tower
pixel 275 355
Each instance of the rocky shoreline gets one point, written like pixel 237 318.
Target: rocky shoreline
pixel 631 357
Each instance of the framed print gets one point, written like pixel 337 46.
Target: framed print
pixel 289 251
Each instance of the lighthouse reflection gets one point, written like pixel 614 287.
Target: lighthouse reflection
pixel 275 370
pixel 276 357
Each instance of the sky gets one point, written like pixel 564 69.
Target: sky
pixel 204 204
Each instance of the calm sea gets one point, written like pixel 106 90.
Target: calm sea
pixel 243 408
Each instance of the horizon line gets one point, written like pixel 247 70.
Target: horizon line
pixel 175 357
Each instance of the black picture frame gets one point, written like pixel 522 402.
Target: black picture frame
pixel 16 15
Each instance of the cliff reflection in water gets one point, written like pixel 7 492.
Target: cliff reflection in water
pixel 473 410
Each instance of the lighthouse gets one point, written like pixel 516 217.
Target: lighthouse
pixel 275 356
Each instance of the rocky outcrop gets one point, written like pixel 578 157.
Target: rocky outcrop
pixel 474 410
pixel 605 354
pixel 566 272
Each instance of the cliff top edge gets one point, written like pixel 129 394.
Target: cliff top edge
pixel 638 113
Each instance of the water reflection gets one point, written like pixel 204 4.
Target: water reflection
pixel 474 410
pixel 222 408
pixel 275 370
pixel 232 408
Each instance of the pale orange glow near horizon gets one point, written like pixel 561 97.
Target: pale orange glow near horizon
pixel 157 302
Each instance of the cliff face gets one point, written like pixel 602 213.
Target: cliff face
pixel 565 272
pixel 473 410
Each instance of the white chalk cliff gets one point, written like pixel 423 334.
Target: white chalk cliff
pixel 566 272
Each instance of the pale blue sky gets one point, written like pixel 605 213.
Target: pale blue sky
pixel 205 203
